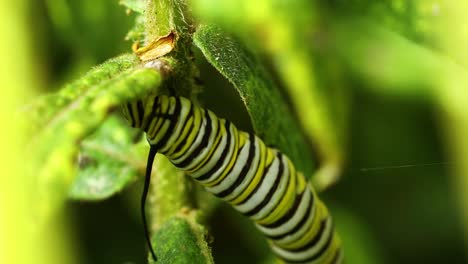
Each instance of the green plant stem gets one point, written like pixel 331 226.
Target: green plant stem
pixel 172 195
pixel 171 192
pixel 162 18
pixel 160 15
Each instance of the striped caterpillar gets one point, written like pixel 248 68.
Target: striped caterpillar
pixel 236 166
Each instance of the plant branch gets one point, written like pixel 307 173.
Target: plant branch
pixel 168 38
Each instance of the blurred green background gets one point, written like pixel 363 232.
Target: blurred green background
pixel 409 214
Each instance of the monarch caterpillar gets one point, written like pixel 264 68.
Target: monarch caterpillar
pixel 236 166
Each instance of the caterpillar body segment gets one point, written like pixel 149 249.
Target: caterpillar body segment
pixel 236 166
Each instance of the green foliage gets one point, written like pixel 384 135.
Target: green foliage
pixel 277 28
pixel 75 116
pixel 50 106
pixel 176 242
pixel 404 68
pixel 108 161
pixel 385 67
pixel 137 6
pixel 260 95
pixel 137 33
pixel 84 29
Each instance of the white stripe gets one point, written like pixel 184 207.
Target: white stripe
pixel 278 194
pixel 215 156
pixel 298 256
pixel 197 141
pixel 339 260
pixel 199 128
pixel 183 116
pixel 234 174
pixel 294 220
pixel 164 127
pixel 266 185
pixel 302 230
pixel 232 148
pixel 206 149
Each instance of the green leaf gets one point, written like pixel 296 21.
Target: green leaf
pixel 55 146
pixel 177 242
pixel 90 31
pixel 108 161
pixel 48 107
pixel 137 32
pixel 137 6
pixel 271 118
pixel 416 20
pixel 284 38
pixel 391 62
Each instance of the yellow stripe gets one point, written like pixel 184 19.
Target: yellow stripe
pixel 155 122
pixel 266 157
pixel 219 136
pixel 329 254
pixel 184 130
pixel 301 182
pixel 198 113
pixel 286 202
pixel 148 107
pixel 162 124
pixel 240 141
pixel 320 215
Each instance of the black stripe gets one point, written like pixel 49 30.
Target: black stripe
pixel 326 246
pixel 290 212
pixel 155 113
pixel 152 113
pixel 298 226
pixel 173 119
pixel 203 144
pixel 271 191
pixel 316 239
pixel 208 156
pixel 182 143
pixel 232 167
pixel 265 171
pixel 244 170
pixel 162 114
pixel 337 256
pixel 141 111
pixel 277 185
pixel 221 159
pixel 322 250
pixel 130 113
